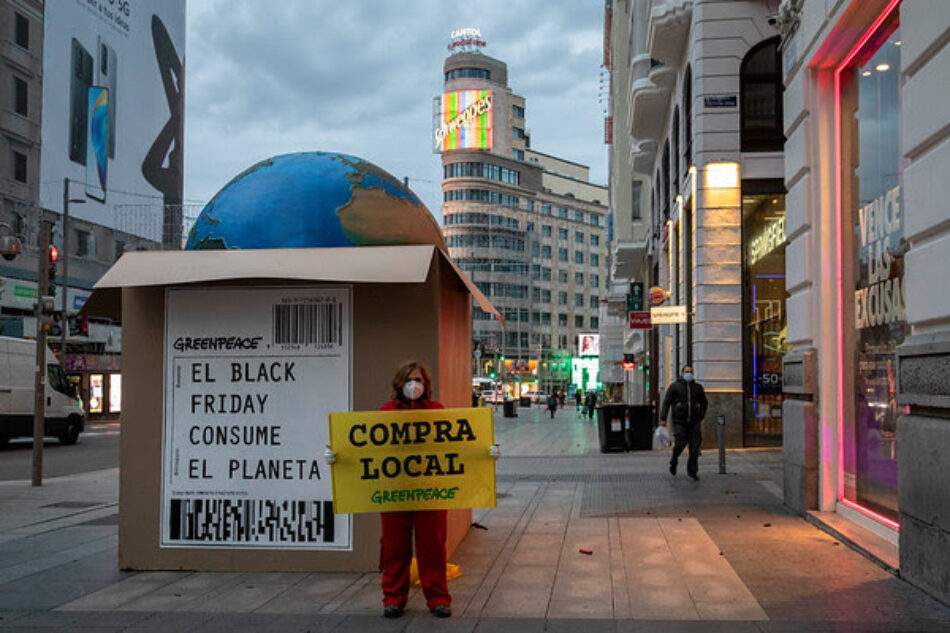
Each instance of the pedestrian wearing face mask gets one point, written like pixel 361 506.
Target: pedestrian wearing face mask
pixel 412 389
pixel 686 398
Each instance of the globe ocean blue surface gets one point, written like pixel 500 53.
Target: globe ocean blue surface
pixel 313 199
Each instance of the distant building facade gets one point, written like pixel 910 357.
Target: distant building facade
pixel 529 228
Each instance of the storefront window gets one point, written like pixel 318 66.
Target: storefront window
pixel 95 393
pixel 875 319
pixel 764 316
pixel 115 393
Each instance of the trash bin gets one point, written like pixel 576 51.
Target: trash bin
pixel 638 427
pixel 610 423
pixel 510 409
pixel 524 401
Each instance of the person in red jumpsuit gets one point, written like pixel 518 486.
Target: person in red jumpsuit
pixel 412 389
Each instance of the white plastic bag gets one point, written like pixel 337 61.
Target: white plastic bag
pixel 661 438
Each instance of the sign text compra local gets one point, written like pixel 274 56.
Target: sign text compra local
pixel 418 459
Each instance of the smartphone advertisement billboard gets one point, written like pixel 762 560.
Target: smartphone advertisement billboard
pixel 464 120
pixel 113 107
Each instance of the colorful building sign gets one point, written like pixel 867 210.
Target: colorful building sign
pixel 465 120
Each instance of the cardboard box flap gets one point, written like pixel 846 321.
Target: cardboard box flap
pixel 480 298
pixel 363 264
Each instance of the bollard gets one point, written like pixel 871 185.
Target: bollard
pixel 721 432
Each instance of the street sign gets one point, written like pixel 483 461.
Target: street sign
pixel 477 353
pixel 635 297
pixel 639 320
pixel 668 314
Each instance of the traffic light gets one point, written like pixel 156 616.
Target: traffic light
pixel 49 317
pixel 51 270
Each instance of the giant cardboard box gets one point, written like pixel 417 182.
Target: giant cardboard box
pixel 407 302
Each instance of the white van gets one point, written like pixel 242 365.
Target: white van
pixel 64 415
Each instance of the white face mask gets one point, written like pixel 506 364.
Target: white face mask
pixel 412 390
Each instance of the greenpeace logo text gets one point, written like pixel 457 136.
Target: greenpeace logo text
pixel 186 343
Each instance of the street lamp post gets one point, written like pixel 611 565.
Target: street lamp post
pixel 64 324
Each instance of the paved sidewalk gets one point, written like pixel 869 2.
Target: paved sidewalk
pixel 665 554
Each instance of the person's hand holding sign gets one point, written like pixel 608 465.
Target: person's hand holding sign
pixel 329 456
pixel 494 451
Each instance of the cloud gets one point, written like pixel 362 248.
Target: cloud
pixel 359 77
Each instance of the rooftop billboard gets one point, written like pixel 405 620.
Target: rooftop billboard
pixel 464 120
pixel 113 111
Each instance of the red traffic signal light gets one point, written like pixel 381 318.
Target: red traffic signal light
pixel 53 253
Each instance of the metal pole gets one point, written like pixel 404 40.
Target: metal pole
pixel 39 398
pixel 721 433
pixel 64 324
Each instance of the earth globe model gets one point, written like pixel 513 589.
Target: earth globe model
pixel 313 199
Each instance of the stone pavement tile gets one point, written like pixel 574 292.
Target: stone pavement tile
pixel 44 591
pixel 70 620
pixel 376 623
pixel 521 592
pixel 582 587
pixel 655 587
pixel 716 589
pixel 424 623
pixel 311 593
pixel 686 626
pixel 267 622
pixel 537 548
pixel 243 596
pixel 511 625
pixel 192 591
pixel 572 625
pixel 118 594
pixel 363 597
pixel 170 622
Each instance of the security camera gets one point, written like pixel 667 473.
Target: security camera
pixel 10 247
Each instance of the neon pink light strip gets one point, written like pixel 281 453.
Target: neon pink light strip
pixel 839 273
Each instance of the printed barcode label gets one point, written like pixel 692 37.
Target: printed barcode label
pixel 261 521
pixel 308 324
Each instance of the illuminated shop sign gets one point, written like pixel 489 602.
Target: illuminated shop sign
pixel 771 237
pixel 466 41
pixel 880 299
pixel 465 120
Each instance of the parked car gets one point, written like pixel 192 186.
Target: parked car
pixel 64 414
pixel 537 397
pixel 490 396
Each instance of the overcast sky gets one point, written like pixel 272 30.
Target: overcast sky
pixel 358 76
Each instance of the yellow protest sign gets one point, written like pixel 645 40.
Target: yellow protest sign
pixel 412 459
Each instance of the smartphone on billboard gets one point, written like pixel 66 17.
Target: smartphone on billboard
pixel 106 76
pixel 97 148
pixel 80 79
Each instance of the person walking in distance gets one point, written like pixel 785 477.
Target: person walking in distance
pixel 577 398
pixel 552 404
pixel 590 401
pixel 686 398
pixel 412 389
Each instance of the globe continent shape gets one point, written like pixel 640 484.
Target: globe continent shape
pixel 313 199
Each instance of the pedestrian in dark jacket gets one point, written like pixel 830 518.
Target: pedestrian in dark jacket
pixel 552 404
pixel 590 401
pixel 577 398
pixel 686 399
